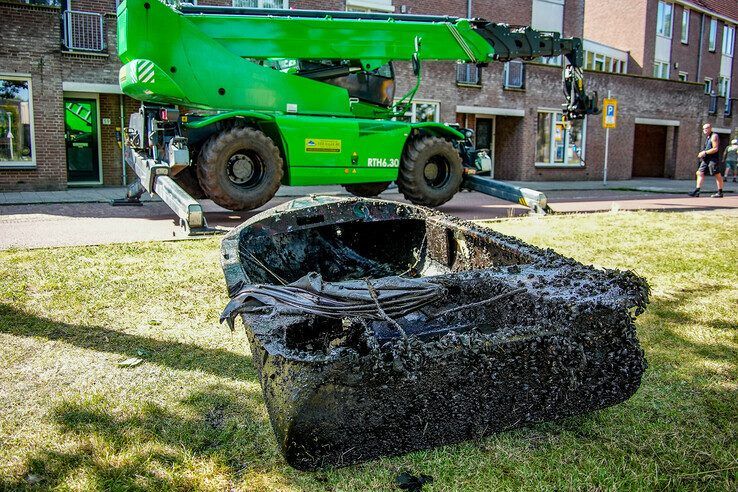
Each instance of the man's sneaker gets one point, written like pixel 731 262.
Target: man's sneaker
pixel 695 193
pixel 719 194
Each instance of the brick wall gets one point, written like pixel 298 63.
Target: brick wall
pixel 31 46
pixel 620 24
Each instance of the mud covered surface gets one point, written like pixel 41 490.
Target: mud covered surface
pixel 512 334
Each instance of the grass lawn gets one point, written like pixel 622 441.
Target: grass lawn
pixel 191 415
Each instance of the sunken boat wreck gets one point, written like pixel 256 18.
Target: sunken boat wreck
pixel 379 328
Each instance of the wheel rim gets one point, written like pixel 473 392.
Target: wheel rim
pixel 245 168
pixel 437 171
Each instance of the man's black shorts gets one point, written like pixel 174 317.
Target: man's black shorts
pixel 712 168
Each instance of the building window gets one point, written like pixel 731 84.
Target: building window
pixel 663 19
pixel 708 85
pixel 683 76
pixel 514 75
pixel 422 111
pixel 369 6
pixel 50 3
pixel 16 122
pixel 685 26
pixel 724 87
pixel 262 4
pixel 555 144
pixel 713 35
pixel 604 63
pixel 661 70
pixel 728 40
pixel 468 73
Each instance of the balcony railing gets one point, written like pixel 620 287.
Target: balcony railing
pixel 83 31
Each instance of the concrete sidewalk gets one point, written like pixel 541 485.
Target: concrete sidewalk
pixel 106 194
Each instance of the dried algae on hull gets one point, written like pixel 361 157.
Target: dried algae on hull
pixel 558 340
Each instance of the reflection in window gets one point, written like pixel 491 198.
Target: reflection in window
pixel 555 144
pixel 421 112
pixel 16 143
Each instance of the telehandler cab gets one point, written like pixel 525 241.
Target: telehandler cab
pixel 297 97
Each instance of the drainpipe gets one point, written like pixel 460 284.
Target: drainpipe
pixel 122 141
pixel 699 53
pixel 468 9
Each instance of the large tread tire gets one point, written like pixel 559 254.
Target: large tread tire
pixel 413 181
pixel 214 169
pixel 367 190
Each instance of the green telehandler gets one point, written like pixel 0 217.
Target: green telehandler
pixel 298 98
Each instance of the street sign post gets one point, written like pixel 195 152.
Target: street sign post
pixel 609 120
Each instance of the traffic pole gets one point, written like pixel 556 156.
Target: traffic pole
pixel 607 149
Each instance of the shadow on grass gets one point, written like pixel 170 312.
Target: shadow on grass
pixel 675 310
pixel 209 443
pixel 177 355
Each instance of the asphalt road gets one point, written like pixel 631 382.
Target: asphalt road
pixel 35 226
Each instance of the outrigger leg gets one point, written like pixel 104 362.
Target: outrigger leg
pixel 535 200
pixel 134 191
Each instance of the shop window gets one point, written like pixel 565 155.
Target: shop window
pixel 557 145
pixel 16 122
pixel 422 111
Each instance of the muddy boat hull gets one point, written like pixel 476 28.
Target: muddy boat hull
pixel 343 391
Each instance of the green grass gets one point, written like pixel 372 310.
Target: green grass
pixel 191 416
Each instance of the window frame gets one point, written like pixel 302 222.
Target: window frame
pixel 660 15
pixel 369 6
pixel 260 4
pixel 708 86
pixel 712 40
pixel 724 87
pixel 552 148
pixel 32 163
pixel 686 18
pixel 661 64
pixel 412 112
pixel 731 49
pixel 683 76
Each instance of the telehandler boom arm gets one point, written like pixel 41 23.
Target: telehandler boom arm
pixel 214 57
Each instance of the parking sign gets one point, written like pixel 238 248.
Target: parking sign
pixel 610 113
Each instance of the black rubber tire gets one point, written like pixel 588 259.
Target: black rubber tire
pixel 215 170
pixel 367 190
pixel 414 183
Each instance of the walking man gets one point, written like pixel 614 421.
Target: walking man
pixel 731 159
pixel 710 162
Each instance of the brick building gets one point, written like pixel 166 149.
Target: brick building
pixel 61 109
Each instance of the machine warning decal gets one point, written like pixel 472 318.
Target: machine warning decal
pixel 322 145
